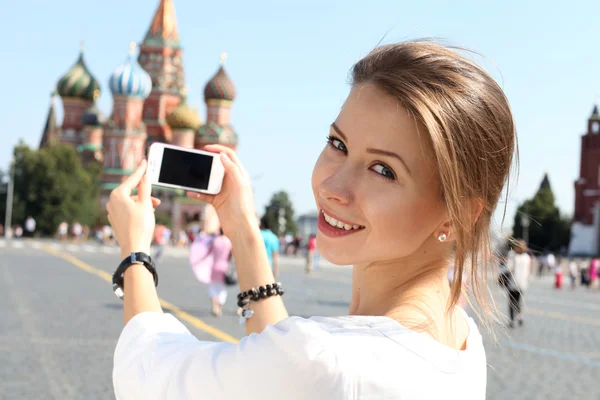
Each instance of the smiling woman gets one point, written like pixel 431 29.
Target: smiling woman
pixel 406 185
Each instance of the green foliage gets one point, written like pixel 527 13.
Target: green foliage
pixel 281 200
pixel 548 230
pixel 52 185
pixel 162 217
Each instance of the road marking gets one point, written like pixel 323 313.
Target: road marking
pixel 196 322
pixel 17 245
pixel 562 302
pixel 552 353
pixel 2 243
pixel 72 247
pixel 561 316
pixel 89 248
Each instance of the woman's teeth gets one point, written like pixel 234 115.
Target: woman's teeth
pixel 338 224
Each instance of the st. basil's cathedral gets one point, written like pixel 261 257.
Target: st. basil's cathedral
pixel 149 105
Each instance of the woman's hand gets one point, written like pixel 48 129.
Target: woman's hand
pixel 234 204
pixel 132 217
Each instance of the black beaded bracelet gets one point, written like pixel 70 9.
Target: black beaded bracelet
pixel 256 294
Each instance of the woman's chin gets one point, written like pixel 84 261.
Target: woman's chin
pixel 335 255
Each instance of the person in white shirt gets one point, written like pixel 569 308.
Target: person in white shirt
pixel 30 226
pixel 406 185
pixel 520 267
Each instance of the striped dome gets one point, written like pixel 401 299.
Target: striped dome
pixel 130 79
pixel 220 87
pixel 78 82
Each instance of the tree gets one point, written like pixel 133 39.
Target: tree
pixel 52 185
pixel 281 201
pixel 547 230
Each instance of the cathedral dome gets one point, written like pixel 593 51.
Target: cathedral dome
pixel 130 79
pixel 78 82
pixel 184 117
pixel 220 87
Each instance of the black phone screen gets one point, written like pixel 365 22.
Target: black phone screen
pixel 183 168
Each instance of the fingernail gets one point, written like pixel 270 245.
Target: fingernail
pixel 225 156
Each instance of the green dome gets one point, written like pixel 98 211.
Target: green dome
pixel 184 117
pixel 78 82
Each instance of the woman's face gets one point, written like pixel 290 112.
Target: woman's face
pixel 377 179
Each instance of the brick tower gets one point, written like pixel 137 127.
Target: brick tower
pixel 125 134
pixel 160 56
pixel 587 187
pixel 585 237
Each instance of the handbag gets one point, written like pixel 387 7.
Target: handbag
pixel 231 274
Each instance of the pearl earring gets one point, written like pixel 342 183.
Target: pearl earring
pixel 442 237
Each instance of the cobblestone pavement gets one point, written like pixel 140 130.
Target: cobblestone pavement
pixel 60 324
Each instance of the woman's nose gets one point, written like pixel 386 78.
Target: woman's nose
pixel 336 188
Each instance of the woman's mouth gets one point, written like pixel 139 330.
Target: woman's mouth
pixel 333 227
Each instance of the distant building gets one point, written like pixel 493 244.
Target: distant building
pixel 149 105
pixel 586 221
pixel 307 224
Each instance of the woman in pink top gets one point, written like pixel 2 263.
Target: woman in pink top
pixel 594 273
pixel 209 256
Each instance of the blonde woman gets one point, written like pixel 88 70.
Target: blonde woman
pixel 410 174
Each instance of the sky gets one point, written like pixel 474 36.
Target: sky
pixel 289 60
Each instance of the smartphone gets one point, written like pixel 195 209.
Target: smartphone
pixel 188 169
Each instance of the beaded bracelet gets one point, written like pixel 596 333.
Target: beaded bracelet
pixel 256 294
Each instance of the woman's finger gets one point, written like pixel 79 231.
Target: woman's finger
pixel 134 179
pixel 207 198
pixel 232 154
pixel 155 202
pixel 231 169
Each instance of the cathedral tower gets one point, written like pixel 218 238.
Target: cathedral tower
pixel 219 94
pixel 78 89
pixel 125 134
pixel 160 56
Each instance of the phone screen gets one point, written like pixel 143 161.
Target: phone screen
pixel 183 168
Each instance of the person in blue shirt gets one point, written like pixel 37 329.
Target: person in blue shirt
pixel 271 243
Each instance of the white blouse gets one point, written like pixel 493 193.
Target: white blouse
pixel 352 357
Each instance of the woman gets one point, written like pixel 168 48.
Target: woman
pixel 518 282
pixel 406 185
pixel 593 272
pixel 209 257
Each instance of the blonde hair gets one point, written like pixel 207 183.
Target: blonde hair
pixel 471 132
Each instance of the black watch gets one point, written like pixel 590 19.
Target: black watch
pixel 134 258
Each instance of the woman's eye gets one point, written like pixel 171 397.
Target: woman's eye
pixel 384 171
pixel 337 144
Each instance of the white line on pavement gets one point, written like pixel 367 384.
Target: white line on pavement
pixel 562 302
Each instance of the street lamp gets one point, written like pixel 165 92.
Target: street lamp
pixel 525 225
pixel 9 200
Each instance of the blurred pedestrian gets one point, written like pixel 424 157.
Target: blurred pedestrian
pixel 162 234
pixel 573 273
pixel 520 268
pixel 77 231
pixel 209 257
pixel 271 244
pixel 593 273
pixel 311 254
pixel 29 227
pixel 63 231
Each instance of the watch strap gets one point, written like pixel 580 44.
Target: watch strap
pixel 133 258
